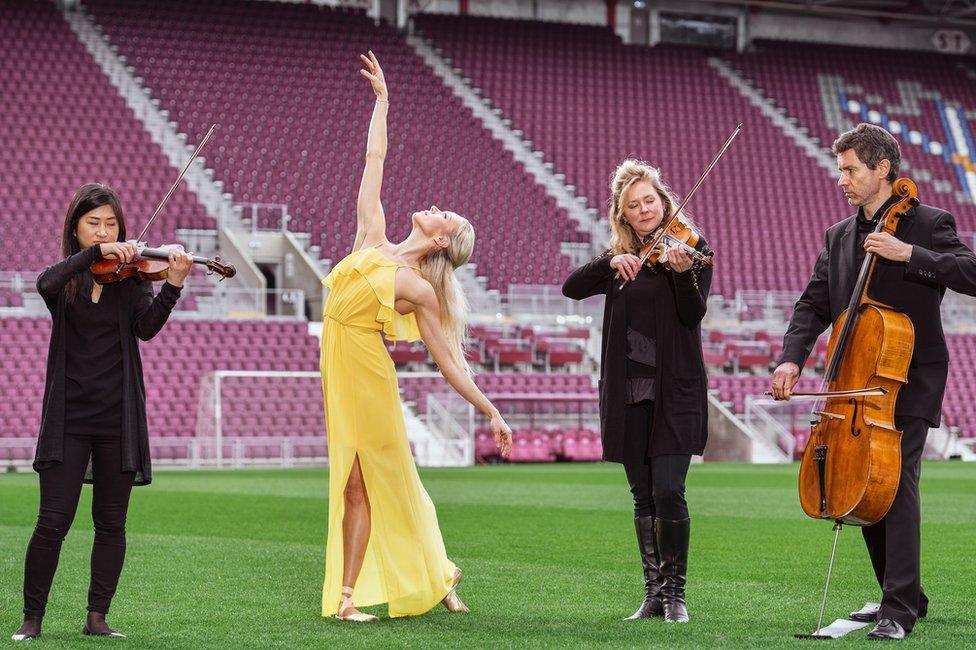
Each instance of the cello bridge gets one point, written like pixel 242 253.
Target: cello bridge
pixel 827 414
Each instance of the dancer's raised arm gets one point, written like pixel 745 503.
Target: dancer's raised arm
pixel 370 220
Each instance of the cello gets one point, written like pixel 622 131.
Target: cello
pixel 851 465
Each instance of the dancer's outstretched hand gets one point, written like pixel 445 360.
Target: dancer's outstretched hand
pixel 374 73
pixel 503 435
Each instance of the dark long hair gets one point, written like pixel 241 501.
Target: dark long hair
pixel 87 198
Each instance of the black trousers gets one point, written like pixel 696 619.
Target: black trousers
pixel 658 483
pixel 894 542
pixel 60 490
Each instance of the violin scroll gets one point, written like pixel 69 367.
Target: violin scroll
pixel 223 270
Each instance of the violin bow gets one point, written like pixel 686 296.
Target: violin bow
pixel 173 187
pixel 663 231
pixel 179 178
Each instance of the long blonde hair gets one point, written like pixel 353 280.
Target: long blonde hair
pixel 438 267
pixel 623 239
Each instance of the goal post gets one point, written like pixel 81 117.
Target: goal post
pixel 259 417
pixel 276 418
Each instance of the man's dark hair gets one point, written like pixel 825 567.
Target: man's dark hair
pixel 872 144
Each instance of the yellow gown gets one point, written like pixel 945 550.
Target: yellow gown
pixel 405 564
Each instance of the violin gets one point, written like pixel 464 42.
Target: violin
pixel 681 234
pixel 678 231
pixel 153 264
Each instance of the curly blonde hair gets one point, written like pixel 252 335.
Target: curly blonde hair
pixel 623 239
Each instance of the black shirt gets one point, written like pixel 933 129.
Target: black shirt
pixel 680 426
pixel 650 286
pixel 93 365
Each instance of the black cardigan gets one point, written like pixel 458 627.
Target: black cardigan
pixel 680 423
pixel 141 315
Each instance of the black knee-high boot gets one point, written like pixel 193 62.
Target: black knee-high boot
pixel 672 543
pixel 647 543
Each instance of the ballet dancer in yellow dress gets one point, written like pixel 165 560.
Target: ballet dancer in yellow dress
pixel 383 534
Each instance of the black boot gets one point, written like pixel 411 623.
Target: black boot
pixel 672 543
pixel 647 544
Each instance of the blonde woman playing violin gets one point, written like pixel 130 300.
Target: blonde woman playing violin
pixel 653 410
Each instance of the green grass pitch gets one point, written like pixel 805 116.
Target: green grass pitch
pixel 234 559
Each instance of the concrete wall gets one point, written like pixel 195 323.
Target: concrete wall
pixel 591 12
pixel 853 31
pixel 753 23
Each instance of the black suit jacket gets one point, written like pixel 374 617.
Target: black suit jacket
pixel 939 261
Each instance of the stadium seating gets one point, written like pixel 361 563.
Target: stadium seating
pixel 957 406
pixel 662 104
pixel 530 348
pixel 549 413
pixel 281 79
pixel 174 364
pixel 65 125
pixel 505 385
pixel 910 88
pixel 543 446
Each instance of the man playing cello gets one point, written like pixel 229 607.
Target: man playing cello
pixel 914 268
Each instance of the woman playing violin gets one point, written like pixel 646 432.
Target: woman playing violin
pixel 93 424
pixel 652 381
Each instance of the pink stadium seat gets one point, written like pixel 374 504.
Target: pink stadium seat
pixel 484 446
pixel 43 69
pixel 277 143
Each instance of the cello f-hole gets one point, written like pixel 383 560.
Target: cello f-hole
pixel 820 455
